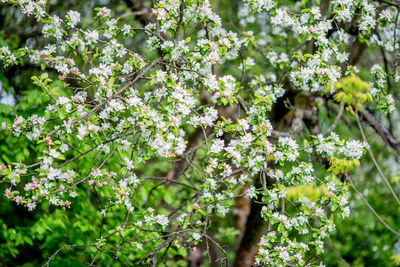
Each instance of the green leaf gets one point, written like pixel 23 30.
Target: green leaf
pixel 62 113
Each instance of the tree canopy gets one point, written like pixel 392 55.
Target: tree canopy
pixel 199 133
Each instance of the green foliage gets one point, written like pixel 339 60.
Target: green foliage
pixel 313 193
pixel 352 90
pixel 338 166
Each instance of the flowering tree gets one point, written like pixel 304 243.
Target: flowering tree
pixel 190 115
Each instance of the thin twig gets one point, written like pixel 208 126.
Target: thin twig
pixel 336 121
pixel 375 163
pixel 372 209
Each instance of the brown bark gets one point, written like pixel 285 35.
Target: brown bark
pixel 386 136
pixel 241 212
pixel 254 229
pixel 142 12
pixel 357 51
pixel 255 226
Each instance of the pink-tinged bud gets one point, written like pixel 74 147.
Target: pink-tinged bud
pixel 3 125
pixel 386 14
pixel 7 193
pixel 118 228
pixel 353 68
pixel 3 167
pixel 91 182
pixel 313 29
pixel 366 145
pixel 196 205
pixel 47 139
